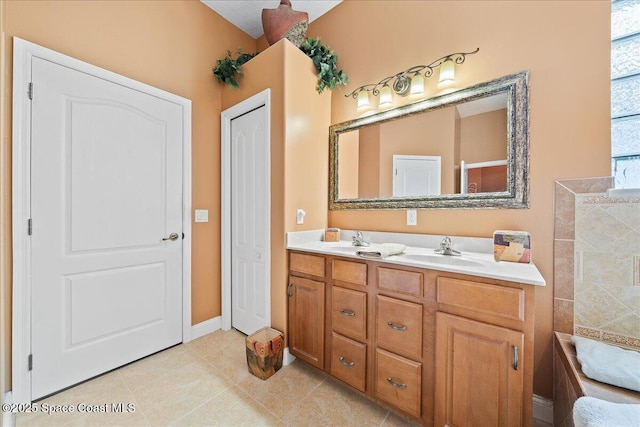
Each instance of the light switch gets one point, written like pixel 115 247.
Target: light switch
pixel 202 215
pixel 300 213
pixel 412 217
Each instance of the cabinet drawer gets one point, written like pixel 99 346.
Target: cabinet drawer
pixel 309 264
pixel 401 281
pixel 350 272
pixel 349 313
pixel 348 361
pixel 399 326
pixel 489 301
pixel 399 381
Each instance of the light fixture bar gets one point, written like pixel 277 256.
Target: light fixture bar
pixel 401 82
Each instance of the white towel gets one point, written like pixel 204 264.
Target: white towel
pixel 608 364
pixel 382 250
pixel 593 412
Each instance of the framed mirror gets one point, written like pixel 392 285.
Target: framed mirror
pixel 464 149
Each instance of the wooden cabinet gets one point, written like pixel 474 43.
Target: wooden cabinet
pixel 483 359
pixel 349 313
pixel 399 326
pixel 442 349
pixel 348 361
pixel 478 376
pixel 398 381
pixel 306 320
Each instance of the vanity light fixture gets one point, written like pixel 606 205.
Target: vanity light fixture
pixel 363 100
pixel 386 98
pixel 447 73
pixel 417 84
pixel 410 81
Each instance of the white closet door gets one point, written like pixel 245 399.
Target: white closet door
pixel 250 222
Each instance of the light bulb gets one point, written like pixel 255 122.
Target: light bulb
pixel 363 99
pixel 417 84
pixel 385 97
pixel 447 73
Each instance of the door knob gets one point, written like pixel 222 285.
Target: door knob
pixel 172 236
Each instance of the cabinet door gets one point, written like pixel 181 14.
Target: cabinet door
pixel 306 320
pixel 478 377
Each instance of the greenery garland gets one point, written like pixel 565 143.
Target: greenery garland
pixel 324 59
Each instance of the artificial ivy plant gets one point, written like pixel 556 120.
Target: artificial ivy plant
pixel 324 59
pixel 227 68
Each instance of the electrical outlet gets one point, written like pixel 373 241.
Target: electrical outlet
pixel 412 217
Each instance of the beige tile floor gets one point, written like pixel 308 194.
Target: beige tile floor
pixel 206 383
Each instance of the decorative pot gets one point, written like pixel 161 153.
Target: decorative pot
pixel 285 23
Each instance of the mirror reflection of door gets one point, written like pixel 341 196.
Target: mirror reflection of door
pixel 416 176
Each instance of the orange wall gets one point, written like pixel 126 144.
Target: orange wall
pixel 171 45
pixel 566 47
pixel 369 162
pixel 348 164
pixel 483 137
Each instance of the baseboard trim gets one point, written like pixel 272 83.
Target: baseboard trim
pixel 8 418
pixel 203 328
pixel 543 409
pixel 287 357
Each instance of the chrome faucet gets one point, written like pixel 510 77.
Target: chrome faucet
pixel 445 247
pixel 358 240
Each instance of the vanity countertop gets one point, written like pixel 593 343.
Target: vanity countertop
pixel 471 263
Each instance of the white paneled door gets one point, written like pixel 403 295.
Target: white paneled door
pixel 250 222
pixel 416 175
pixel 106 244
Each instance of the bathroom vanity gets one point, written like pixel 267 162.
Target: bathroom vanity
pixel 441 340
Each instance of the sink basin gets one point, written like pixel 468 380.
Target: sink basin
pixel 443 260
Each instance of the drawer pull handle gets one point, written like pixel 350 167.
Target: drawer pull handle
pixel 396 327
pixel 395 384
pixel 289 290
pixel 347 312
pixel 345 363
pixel 515 357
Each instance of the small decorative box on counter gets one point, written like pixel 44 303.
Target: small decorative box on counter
pixel 514 246
pixel 332 235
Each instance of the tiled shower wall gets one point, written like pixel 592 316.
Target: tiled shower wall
pixel 597 262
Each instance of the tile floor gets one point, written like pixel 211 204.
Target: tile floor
pixel 206 383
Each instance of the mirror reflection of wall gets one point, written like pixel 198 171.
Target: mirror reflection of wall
pixel 473 132
pixel 483 145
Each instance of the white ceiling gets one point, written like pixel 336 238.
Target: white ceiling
pixel 247 15
pixel 483 105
